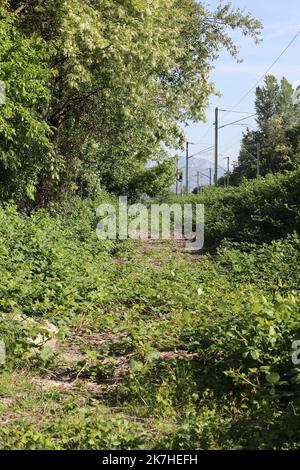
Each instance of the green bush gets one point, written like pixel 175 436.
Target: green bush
pixel 260 210
pixel 233 318
pixel 52 266
pixel 204 343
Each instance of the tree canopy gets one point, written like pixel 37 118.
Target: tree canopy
pixel 97 89
pixel 277 133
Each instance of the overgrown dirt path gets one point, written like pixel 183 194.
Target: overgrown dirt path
pixel 163 349
pixel 72 352
pixel 91 364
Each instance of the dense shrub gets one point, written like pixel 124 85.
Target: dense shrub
pixel 234 318
pixel 52 266
pixel 260 210
pixel 203 342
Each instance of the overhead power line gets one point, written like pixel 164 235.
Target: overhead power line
pixel 233 109
pixel 234 122
pixel 256 84
pixel 266 72
pixel 201 151
pixel 237 112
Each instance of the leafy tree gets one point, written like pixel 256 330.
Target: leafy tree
pixel 277 133
pixel 25 137
pixel 126 75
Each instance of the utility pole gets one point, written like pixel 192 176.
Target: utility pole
pixel 216 145
pixel 187 168
pixel 210 175
pixel 217 128
pixel 258 159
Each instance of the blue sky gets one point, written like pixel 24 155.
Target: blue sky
pixel 281 21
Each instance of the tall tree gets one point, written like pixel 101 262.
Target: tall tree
pixel 126 74
pixel 278 125
pixel 26 148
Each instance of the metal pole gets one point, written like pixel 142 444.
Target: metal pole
pixel 216 144
pixel 187 168
pixel 210 174
pixel 258 160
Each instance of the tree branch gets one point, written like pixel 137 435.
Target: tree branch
pixel 20 9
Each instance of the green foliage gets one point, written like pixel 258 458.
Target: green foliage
pixel 233 369
pixel 156 349
pixel 153 181
pixel 25 137
pixel 124 76
pixel 61 426
pixel 256 211
pixel 278 121
pixel 204 343
pixel 42 269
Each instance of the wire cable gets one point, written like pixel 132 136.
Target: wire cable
pixel 266 72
